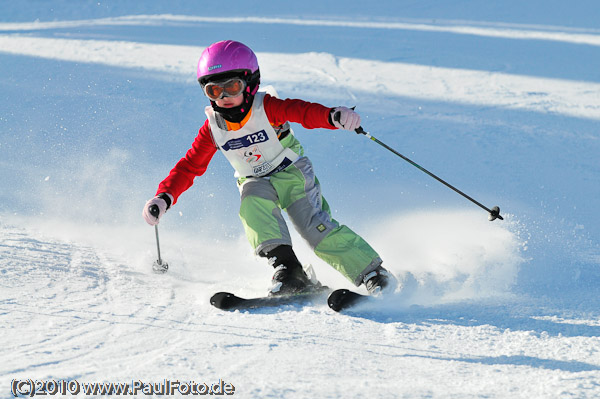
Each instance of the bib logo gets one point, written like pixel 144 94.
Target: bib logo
pixel 255 159
pixel 252 155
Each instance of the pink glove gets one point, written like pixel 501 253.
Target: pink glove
pixel 162 203
pixel 345 118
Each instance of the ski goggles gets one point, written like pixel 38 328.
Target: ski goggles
pixel 224 88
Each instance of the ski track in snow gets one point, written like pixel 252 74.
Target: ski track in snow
pixel 78 299
pixel 571 98
pixel 502 30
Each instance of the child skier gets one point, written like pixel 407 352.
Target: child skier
pixel 251 129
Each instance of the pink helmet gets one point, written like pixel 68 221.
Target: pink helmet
pixel 229 57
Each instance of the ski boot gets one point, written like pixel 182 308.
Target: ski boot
pixel 380 282
pixel 289 277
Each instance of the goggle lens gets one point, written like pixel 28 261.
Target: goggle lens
pixel 226 88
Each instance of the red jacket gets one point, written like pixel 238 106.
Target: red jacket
pixel 196 160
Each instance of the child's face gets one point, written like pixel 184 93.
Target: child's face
pixel 230 102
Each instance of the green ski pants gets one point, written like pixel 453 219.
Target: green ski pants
pixel 297 191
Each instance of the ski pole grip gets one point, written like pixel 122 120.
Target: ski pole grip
pixel 337 115
pixel 154 211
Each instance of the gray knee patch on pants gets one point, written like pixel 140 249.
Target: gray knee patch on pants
pixel 312 223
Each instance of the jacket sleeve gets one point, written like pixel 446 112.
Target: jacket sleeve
pixel 309 115
pixel 194 164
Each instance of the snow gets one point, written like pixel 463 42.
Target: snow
pixel 99 101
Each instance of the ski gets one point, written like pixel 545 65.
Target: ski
pixel 229 301
pixel 342 299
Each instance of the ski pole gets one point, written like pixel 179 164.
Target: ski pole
pixel 494 213
pixel 158 266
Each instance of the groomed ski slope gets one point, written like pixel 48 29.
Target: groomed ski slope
pixel 99 101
